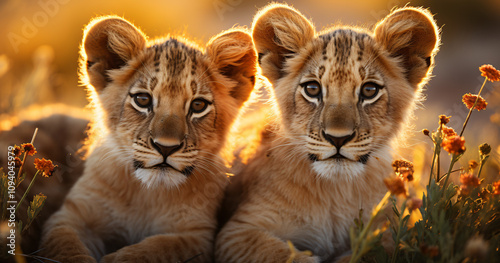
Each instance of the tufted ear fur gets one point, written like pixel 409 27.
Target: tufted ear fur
pixel 279 31
pixel 108 43
pixel 233 54
pixel 411 34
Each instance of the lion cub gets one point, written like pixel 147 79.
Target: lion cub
pixel 342 96
pixel 153 181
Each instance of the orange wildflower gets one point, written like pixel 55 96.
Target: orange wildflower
pixel 469 180
pixel 469 100
pixel 396 186
pixel 473 164
pixel 490 73
pixel 414 203
pixel 17 151
pixel 29 148
pixel 443 119
pixel 448 131
pixel 404 169
pixel 454 144
pixel 45 166
pixel 496 188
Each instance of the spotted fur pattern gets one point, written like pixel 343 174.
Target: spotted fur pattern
pixel 342 95
pixel 153 182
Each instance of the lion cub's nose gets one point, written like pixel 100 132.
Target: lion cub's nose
pixel 338 142
pixel 166 148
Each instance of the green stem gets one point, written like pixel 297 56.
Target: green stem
pixel 20 170
pixel 438 171
pixel 433 161
pixel 27 190
pixel 437 150
pixel 452 163
pixel 471 109
pixel 355 257
pixel 396 248
pixel 481 164
pixel 432 165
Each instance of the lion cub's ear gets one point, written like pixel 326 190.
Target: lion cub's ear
pixel 108 43
pixel 233 54
pixel 411 34
pixel 278 32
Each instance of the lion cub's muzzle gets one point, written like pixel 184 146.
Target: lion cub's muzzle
pixel 338 141
pixel 166 149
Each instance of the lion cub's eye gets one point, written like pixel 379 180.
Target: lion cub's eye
pixel 369 90
pixel 198 105
pixel 312 89
pixel 142 100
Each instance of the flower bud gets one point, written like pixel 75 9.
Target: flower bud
pixel 484 149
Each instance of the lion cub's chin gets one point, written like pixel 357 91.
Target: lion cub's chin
pixel 338 170
pixel 168 178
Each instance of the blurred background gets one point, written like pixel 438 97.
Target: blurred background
pixel 40 40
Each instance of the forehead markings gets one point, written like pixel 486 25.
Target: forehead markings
pixel 156 59
pixel 152 83
pixel 171 58
pixel 193 63
pixel 337 47
pixel 343 47
pixel 360 40
pixel 344 42
pixel 175 60
pixel 321 71
pixel 325 44
pixel 326 40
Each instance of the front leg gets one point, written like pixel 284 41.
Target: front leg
pixel 70 234
pixel 195 247
pixel 240 242
pixel 63 245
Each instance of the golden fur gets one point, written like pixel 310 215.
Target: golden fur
pixel 154 179
pixel 342 96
